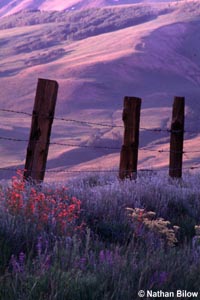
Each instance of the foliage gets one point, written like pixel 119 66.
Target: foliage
pixel 54 246
pixel 77 25
pixel 54 212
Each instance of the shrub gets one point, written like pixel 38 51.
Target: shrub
pixel 101 252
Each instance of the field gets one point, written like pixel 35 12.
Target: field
pixel 79 240
pixel 145 50
pixel 83 234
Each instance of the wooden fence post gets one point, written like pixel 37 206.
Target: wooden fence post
pixel 129 151
pixel 176 139
pixel 42 119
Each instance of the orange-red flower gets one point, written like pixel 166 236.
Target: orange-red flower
pixel 52 208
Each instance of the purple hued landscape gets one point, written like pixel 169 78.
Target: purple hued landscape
pixel 99 51
pixel 90 232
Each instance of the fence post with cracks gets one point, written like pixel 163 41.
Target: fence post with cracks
pixel 42 119
pixel 129 150
pixel 177 138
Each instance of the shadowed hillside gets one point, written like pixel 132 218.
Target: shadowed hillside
pixel 8 7
pixel 140 50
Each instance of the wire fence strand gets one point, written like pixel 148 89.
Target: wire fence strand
pixel 98 124
pixel 162 169
pixel 98 147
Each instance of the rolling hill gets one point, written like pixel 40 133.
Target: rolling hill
pixel 8 7
pixel 98 55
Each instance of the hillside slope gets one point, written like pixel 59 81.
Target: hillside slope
pixel 155 60
pixel 8 7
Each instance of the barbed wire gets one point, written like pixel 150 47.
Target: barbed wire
pixel 96 146
pixel 14 169
pixel 12 139
pixel 83 122
pixel 85 146
pixel 87 123
pixel 16 112
pixel 100 147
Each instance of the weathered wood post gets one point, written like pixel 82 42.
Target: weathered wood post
pixel 129 151
pixel 176 139
pixel 42 119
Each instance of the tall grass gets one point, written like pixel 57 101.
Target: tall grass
pixel 80 241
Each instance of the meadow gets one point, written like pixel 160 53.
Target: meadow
pixel 96 237
pixel 98 56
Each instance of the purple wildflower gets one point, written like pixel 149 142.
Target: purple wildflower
pixel 82 263
pixel 163 276
pixel 92 259
pixel 15 264
pixel 158 278
pixel 22 257
pixel 106 257
pixel 39 246
pixel 47 262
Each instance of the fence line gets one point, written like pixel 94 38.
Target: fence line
pixel 167 130
pixel 101 147
pixel 97 170
pixel 86 123
pixel 15 111
pixel 12 139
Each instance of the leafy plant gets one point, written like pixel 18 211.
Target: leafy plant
pixel 145 221
pixel 54 246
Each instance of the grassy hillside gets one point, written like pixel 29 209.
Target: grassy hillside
pixel 9 7
pixel 155 60
pixel 81 24
pixel 79 241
